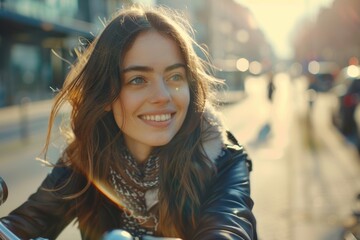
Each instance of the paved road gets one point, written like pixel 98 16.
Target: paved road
pixel 305 175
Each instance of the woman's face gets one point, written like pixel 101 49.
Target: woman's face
pixel 155 95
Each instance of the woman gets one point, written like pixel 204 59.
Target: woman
pixel 147 153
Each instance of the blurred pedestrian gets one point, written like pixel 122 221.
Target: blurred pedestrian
pixel 147 151
pixel 270 86
pixel 265 132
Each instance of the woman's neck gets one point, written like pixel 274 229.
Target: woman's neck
pixel 140 152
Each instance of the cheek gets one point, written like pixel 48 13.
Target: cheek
pixel 183 101
pixel 187 102
pixel 125 107
pixel 185 96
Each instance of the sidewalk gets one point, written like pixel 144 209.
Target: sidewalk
pixel 22 121
pixel 230 97
pixel 31 111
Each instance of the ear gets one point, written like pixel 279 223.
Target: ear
pixel 108 108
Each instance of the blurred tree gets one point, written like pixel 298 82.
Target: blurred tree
pixel 334 35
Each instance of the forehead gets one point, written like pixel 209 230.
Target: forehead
pixel 151 48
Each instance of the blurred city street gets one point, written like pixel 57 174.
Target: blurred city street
pixel 292 76
pixel 305 175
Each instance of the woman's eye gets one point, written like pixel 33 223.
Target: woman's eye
pixel 137 81
pixel 176 77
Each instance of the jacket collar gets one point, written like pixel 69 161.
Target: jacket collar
pixel 214 133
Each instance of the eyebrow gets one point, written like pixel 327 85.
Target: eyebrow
pixel 149 69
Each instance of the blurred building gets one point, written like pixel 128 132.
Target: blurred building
pixel 230 32
pixel 333 35
pixel 37 38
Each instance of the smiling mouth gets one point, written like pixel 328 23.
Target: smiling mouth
pixel 157 117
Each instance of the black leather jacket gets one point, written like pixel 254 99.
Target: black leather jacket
pixel 225 214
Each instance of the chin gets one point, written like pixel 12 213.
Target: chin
pixel 158 142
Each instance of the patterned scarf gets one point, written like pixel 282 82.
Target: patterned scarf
pixel 138 192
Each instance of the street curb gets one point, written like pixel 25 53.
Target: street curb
pixel 19 123
pixel 31 110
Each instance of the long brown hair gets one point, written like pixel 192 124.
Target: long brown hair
pixel 94 83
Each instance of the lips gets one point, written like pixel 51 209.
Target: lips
pixel 156 117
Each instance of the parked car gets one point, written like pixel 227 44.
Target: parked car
pixel 321 75
pixel 347 89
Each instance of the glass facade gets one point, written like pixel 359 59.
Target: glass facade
pixel 49 10
pixel 35 38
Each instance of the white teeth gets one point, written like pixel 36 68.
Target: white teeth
pixel 157 118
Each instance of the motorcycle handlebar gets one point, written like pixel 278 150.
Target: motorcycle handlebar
pixel 3 191
pixel 119 234
pixel 6 234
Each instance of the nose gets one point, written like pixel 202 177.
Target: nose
pixel 160 92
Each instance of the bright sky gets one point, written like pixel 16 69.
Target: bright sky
pixel 277 18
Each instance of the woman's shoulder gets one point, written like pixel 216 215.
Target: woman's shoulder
pixel 233 170
pixel 65 179
pixel 234 155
